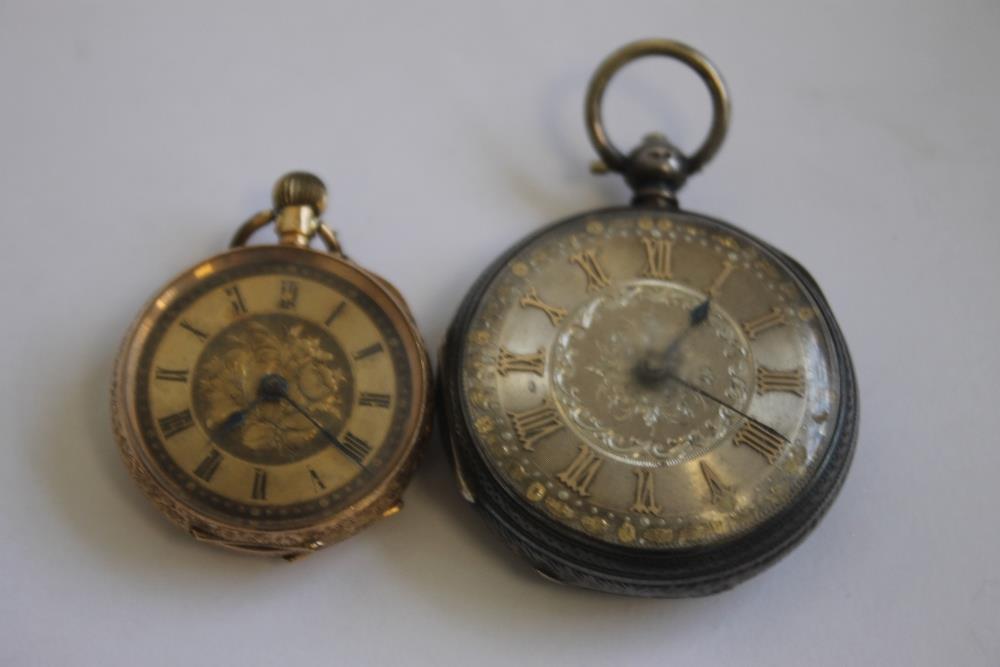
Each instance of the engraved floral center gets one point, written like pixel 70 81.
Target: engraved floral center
pixel 232 389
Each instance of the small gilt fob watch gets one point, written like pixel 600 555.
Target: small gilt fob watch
pixel 645 400
pixel 271 399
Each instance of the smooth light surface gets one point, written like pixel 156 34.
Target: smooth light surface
pixel 134 139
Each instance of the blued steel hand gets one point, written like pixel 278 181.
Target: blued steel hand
pixel 235 419
pixel 655 368
pixel 275 388
pixel 698 390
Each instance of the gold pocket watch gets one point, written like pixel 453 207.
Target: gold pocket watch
pixel 272 399
pixel 645 400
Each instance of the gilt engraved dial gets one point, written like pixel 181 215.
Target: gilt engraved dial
pixel 273 393
pixel 652 380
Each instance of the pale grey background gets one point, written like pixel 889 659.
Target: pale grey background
pixel 134 138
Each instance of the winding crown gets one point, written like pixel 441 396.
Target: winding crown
pixel 300 188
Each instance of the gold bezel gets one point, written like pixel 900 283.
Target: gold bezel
pixel 381 500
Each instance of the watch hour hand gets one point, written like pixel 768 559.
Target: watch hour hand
pixel 699 313
pixel 235 419
pixel 657 366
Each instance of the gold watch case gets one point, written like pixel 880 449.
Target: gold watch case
pixel 273 399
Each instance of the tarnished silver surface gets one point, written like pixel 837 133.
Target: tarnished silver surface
pixel 706 453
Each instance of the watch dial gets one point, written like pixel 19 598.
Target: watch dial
pixel 272 392
pixel 654 381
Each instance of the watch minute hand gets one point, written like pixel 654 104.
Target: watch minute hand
pixel 710 397
pixel 341 447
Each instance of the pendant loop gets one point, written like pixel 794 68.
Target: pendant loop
pixel 612 157
pixel 248 228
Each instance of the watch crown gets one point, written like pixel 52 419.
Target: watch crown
pixel 300 188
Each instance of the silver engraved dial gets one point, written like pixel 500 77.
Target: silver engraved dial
pixel 652 380
pixel 594 381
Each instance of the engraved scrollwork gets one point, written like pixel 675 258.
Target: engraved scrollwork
pixel 594 358
pixel 228 375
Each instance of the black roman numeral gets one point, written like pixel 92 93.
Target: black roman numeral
pixel 171 375
pixel 355 448
pixel 199 334
pixel 335 313
pixel 173 424
pixel 259 484
pixel 368 351
pixel 209 465
pixel 374 400
pixel 236 300
pixel 289 295
pixel 316 480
